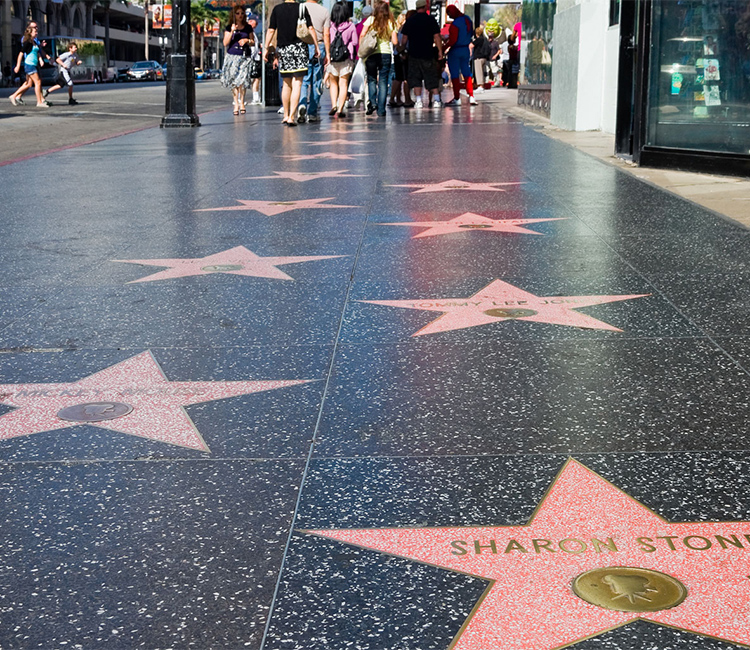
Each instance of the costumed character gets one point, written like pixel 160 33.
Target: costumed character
pixel 460 34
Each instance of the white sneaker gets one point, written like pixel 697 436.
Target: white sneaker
pixel 281 111
pixel 437 104
pixel 418 103
pixel 480 89
pixel 301 114
pixel 473 101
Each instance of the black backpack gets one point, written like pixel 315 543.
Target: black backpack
pixel 339 51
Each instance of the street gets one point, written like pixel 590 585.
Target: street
pixel 103 110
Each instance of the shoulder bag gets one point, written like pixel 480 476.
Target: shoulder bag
pixel 369 43
pixel 303 32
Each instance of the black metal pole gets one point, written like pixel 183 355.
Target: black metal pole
pixel 180 102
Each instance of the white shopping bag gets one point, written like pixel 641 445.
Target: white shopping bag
pixel 357 83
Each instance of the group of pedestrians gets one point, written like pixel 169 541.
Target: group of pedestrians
pixel 32 57
pixel 313 48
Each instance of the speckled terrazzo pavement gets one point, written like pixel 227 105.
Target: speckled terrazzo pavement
pixel 367 384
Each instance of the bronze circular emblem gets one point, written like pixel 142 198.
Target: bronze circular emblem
pixel 222 268
pixel 510 313
pixel 629 589
pixel 94 411
pixel 475 225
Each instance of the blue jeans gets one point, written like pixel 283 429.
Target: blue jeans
pixel 312 84
pixel 378 68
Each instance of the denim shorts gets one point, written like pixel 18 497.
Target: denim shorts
pixel 30 69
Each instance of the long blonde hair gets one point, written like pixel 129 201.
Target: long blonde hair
pixel 382 21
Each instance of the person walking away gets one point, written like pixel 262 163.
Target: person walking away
pixel 312 84
pixel 256 65
pixel 379 63
pixel 235 74
pixel 342 53
pixel 421 34
pixel 291 51
pixel 505 61
pixel 65 61
pixel 480 52
pixel 32 55
pixel 513 63
pixel 399 68
pixel 459 38
pixel 494 59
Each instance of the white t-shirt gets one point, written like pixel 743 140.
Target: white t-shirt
pixel 68 59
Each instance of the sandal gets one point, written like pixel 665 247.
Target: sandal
pixel 333 111
pixel 242 110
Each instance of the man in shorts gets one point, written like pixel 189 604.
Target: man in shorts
pixel 422 39
pixel 66 61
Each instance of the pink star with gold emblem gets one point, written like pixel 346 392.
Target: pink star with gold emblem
pixel 500 301
pixel 471 221
pixel 327 155
pixel 453 184
pixel 234 261
pixel 272 208
pixel 303 177
pixel 132 397
pixel 591 559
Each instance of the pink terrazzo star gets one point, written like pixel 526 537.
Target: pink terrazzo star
pixel 500 301
pixel 303 177
pixel 155 403
pixel 327 155
pixel 453 185
pixel 235 261
pixel 583 523
pixel 470 221
pixel 325 143
pixel 272 208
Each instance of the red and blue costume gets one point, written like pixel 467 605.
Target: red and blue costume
pixel 460 34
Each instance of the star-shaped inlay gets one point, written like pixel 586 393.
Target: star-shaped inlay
pixel 325 143
pixel 500 301
pixel 132 397
pixel 302 177
pixel 327 155
pixel 453 184
pixel 272 208
pixel 590 559
pixel 470 221
pixel 235 261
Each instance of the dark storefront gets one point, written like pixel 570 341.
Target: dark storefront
pixel 684 94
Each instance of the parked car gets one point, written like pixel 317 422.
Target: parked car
pixel 121 74
pixel 145 71
pixel 214 73
pixel 201 74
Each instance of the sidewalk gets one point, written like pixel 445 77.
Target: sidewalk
pixel 416 383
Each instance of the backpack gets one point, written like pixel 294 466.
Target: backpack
pixel 339 51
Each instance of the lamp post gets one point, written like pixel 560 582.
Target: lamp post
pixel 180 100
pixel 163 45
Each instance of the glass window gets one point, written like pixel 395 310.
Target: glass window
pixel 699 96
pixel 614 12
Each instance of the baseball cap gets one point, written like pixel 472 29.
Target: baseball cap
pixel 421 3
pixel 367 11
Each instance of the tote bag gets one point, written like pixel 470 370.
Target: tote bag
pixel 369 44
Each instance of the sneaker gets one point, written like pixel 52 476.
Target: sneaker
pixel 301 114
pixel 473 101
pixel 437 104
pixel 44 104
pixel 19 100
pixel 479 89
pixel 13 100
pixel 370 109
pixel 281 111
pixel 313 118
pixel 418 104
pixel 452 102
pixel 72 102
pixel 45 92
